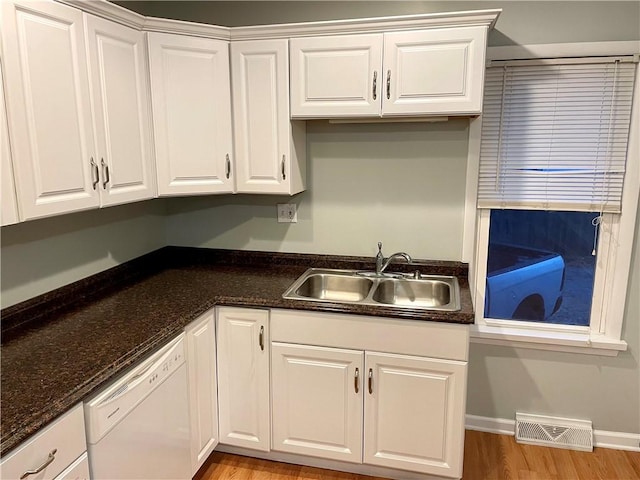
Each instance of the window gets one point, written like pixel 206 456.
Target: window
pixel 541 266
pixel 556 202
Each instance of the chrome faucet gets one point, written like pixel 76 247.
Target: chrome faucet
pixel 382 263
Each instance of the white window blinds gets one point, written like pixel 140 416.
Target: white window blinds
pixel 554 136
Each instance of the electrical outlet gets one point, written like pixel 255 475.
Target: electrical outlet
pixel 287 213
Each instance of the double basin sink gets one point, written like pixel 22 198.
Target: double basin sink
pixel 413 291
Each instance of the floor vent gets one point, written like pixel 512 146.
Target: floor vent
pixel 554 432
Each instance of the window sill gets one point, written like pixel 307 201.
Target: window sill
pixel 546 340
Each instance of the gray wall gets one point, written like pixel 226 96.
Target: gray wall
pixel 521 22
pixel 402 184
pixel 605 390
pixel 41 255
pixel 364 186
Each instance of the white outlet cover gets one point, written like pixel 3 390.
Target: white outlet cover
pixel 287 213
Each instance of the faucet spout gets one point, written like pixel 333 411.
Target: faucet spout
pixel 382 263
pixel 406 256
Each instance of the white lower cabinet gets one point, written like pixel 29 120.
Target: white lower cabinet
pixel 411 407
pixel 337 394
pixel 58 452
pixel 243 377
pixel 203 384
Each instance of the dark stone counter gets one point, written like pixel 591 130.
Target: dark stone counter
pixel 60 347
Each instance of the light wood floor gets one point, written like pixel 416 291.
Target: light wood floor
pixel 487 457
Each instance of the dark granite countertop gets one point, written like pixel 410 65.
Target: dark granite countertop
pixel 60 347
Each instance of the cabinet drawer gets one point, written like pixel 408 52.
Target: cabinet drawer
pixel 78 470
pixel 65 436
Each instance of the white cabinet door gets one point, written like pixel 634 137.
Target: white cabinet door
pixel 243 377
pixel 269 148
pixel 9 204
pixel 434 71
pixel 414 413
pixel 337 76
pixel 48 107
pixel 317 401
pixel 203 385
pixel 122 116
pixel 426 72
pixel 191 99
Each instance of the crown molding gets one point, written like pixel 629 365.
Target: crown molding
pixel 163 25
pixel 368 25
pixel 108 10
pixel 116 13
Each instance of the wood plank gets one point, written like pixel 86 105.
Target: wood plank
pixel 487 457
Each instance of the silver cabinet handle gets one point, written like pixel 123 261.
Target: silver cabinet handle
pixel 261 337
pixel 356 381
pixel 105 173
pixel 47 462
pixel 95 175
pixel 284 177
pixel 228 167
pixel 370 381
pixel 375 84
pixel 388 84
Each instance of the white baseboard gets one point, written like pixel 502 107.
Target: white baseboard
pixel 601 438
pixel 616 440
pixel 490 425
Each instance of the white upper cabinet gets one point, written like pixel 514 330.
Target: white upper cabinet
pixel 9 204
pixel 48 108
pixel 118 76
pixel 336 76
pixel 415 73
pixel 434 72
pixel 190 93
pixel 270 149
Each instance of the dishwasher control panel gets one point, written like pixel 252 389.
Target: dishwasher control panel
pixel 106 409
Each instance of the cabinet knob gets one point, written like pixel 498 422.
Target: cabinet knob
pixel 284 176
pixel 95 174
pixel 388 84
pixel 375 84
pixel 261 337
pixel 47 462
pixel 105 173
pixel 228 167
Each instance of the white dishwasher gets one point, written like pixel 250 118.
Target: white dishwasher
pixel 138 427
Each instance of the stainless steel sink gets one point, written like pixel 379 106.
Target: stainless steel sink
pixel 334 287
pixel 422 292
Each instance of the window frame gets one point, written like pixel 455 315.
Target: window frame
pixel 615 246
